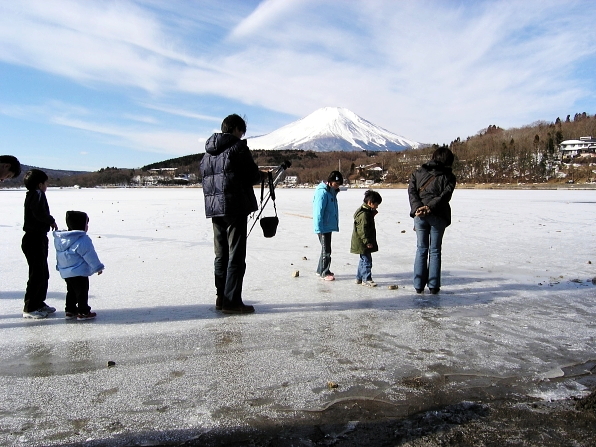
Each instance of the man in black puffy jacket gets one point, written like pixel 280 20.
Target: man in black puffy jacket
pixel 229 173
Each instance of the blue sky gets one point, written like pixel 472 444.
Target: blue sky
pixel 88 84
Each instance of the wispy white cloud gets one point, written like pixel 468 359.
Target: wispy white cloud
pixel 140 118
pixel 159 141
pixel 268 13
pixel 182 112
pixel 108 42
pixel 43 111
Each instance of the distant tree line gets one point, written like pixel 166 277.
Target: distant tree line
pixel 493 155
pixel 104 177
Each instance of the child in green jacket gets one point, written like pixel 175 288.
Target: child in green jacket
pixel 364 237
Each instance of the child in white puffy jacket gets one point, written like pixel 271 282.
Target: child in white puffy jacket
pixel 76 261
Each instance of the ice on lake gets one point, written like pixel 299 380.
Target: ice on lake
pixel 516 314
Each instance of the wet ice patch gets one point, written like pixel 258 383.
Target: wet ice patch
pixel 560 391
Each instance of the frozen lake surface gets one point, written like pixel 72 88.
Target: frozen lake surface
pixel 516 314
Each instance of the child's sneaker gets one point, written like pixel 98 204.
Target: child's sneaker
pixel 87 316
pixel 369 283
pixel 70 316
pixel 47 309
pixel 36 314
pixel 358 281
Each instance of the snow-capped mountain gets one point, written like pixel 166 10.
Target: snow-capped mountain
pixel 332 129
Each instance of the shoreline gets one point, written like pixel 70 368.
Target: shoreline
pixel 479 186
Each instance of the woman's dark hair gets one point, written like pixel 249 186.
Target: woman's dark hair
pixel 444 156
pixel 232 122
pixel 15 165
pixel 33 178
pixel 372 196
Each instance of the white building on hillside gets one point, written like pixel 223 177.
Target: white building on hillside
pixel 585 146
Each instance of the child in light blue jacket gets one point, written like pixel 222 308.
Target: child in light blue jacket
pixel 325 216
pixel 76 261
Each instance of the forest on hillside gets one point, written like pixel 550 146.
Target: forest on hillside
pixel 528 154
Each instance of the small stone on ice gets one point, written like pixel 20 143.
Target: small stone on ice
pixel 295 274
pixel 111 363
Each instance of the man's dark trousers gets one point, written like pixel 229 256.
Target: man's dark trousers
pixel 229 240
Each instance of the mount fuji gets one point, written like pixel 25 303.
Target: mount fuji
pixel 332 129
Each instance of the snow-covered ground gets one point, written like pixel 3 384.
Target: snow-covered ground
pixel 516 310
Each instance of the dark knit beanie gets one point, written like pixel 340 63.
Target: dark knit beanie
pixel 335 176
pixel 76 220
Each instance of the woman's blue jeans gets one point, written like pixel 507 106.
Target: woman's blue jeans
pixel 427 266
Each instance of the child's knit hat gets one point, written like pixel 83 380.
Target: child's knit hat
pixel 335 176
pixel 76 220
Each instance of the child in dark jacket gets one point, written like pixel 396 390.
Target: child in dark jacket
pixel 76 261
pixel 364 237
pixel 38 222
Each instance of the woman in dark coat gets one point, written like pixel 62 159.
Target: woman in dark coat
pixel 430 189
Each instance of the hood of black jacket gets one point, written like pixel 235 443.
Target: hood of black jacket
pixel 219 142
pixel 437 168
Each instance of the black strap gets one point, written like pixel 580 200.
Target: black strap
pixel 271 189
pixel 432 177
pixel 271 185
